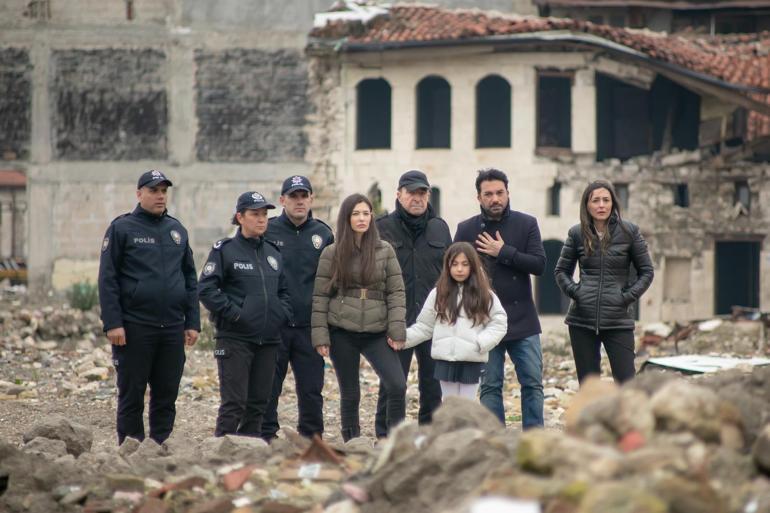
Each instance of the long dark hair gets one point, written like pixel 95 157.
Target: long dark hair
pixel 346 248
pixel 477 293
pixel 587 229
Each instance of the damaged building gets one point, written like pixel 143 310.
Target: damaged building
pixel 677 123
pixel 93 93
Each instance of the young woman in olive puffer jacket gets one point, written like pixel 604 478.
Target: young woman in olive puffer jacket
pixel 358 303
pixel 606 247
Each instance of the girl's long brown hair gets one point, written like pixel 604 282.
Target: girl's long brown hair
pixel 587 222
pixel 346 249
pixel 477 293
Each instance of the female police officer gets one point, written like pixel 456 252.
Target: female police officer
pixel 244 288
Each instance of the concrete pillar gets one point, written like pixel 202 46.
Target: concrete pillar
pixel 6 227
pixel 40 254
pixel 19 242
pixel 183 123
pixel 40 57
pixel 524 121
pixel 584 112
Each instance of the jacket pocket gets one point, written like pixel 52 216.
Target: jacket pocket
pixel 252 315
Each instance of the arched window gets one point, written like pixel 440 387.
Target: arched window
pixel 434 112
pixel 372 114
pixel 493 113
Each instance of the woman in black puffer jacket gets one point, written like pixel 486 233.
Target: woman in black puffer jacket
pixel 606 247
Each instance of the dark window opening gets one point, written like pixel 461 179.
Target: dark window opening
pixel 129 10
pixel 554 111
pixel 435 200
pixel 493 113
pixel 373 114
pixel 550 299
pixel 618 20
pixel 598 19
pixel 433 113
pixel 554 199
pixel 621 191
pixel 632 121
pixel 742 195
pixel 675 116
pixel 681 195
pixel 736 275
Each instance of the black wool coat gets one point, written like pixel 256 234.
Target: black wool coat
pixel 521 256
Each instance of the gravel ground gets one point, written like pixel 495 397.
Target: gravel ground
pixel 52 378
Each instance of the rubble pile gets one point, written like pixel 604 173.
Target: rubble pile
pixel 663 443
pixel 659 444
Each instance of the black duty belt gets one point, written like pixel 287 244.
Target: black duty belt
pixel 363 294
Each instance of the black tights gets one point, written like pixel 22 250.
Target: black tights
pixel 345 352
pixel 619 345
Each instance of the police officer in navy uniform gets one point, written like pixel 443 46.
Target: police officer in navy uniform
pixel 149 303
pixel 244 287
pixel 301 238
pixel 420 239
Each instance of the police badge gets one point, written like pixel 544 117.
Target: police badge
pixel 273 262
pixel 209 268
pixel 317 241
pixel 176 237
pixel 105 243
pixel 257 197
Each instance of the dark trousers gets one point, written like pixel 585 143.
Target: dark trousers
pixel 345 352
pixel 430 389
pixel 619 345
pixel 245 382
pixel 308 368
pixel 153 356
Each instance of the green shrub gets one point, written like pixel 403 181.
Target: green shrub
pixel 83 295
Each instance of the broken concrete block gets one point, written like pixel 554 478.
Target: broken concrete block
pixel 78 438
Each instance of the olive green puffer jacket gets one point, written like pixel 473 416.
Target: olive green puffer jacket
pixel 364 308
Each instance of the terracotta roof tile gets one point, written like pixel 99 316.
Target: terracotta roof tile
pixel 739 59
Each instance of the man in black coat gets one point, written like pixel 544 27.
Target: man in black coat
pixel 420 240
pixel 301 238
pixel 510 245
pixel 149 302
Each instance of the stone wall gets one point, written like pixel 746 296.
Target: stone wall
pixel 15 103
pixel 251 105
pixel 110 104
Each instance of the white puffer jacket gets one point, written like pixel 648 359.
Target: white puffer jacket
pixel 459 342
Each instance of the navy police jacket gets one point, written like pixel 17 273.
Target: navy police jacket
pixel 243 286
pixel 522 255
pixel 147 273
pixel 301 248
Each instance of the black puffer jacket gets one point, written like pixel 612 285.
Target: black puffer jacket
pixel 603 297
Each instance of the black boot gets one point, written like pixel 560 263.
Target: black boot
pixel 351 432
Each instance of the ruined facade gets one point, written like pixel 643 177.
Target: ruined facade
pixel 571 108
pixel 216 94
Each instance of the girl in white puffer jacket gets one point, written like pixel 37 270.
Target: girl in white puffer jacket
pixel 464 318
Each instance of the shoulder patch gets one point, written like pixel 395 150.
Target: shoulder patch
pixel 273 243
pixel 121 216
pixel 323 223
pixel 221 242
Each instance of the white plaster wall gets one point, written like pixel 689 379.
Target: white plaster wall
pixel 454 170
